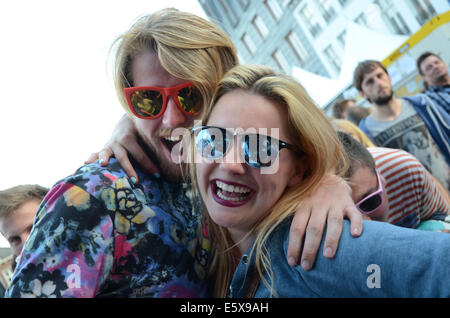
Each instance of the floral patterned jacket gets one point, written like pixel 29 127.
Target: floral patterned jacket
pixel 98 235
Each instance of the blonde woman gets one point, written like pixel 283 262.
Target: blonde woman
pixel 261 149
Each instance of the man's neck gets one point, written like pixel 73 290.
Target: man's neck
pixel 388 111
pixel 444 80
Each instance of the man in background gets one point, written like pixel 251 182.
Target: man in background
pixel 18 207
pixel 341 107
pixel 413 123
pixel 390 185
pixel 357 113
pixel 436 78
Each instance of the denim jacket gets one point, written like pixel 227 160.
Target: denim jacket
pixel 385 261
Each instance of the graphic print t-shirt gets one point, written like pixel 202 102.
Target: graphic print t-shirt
pixel 409 132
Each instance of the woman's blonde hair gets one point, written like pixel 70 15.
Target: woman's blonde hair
pixel 309 130
pixel 188 47
pixel 353 130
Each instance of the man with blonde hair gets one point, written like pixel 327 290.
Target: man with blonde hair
pixel 101 234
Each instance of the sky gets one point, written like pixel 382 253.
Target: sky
pixel 57 101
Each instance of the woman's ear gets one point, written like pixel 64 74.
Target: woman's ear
pixel 298 176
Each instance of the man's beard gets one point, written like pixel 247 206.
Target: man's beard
pixel 439 80
pixel 383 100
pixel 173 172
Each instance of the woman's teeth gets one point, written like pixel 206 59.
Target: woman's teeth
pixel 232 193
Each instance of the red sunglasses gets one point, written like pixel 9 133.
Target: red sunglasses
pixel 373 201
pixel 150 102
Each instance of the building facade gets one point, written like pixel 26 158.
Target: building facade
pixel 311 34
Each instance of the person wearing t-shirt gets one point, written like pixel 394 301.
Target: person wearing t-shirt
pixel 415 124
pixel 391 185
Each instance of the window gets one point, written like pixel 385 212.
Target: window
pixel 260 27
pixel 344 2
pixel 285 3
pixel 393 18
pixel 229 13
pixel 297 47
pixel 423 9
pixel 361 19
pixel 333 58
pixel 341 38
pixel 248 43
pixel 327 10
pixel 274 9
pixel 310 21
pixel 281 61
pixel 244 3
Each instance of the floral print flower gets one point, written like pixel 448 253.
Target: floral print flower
pixel 40 290
pixel 126 240
pixel 128 206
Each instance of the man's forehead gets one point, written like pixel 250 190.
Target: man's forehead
pixel 363 181
pixel 372 72
pixel 432 58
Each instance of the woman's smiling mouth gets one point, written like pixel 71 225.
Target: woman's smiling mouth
pixel 230 194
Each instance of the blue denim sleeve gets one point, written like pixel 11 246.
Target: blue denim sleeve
pixel 385 261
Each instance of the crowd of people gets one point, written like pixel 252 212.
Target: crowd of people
pixel 227 180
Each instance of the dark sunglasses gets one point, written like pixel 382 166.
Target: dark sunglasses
pixel 258 150
pixel 150 102
pixel 372 201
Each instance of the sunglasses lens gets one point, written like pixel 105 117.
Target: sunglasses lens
pixel 371 203
pixel 190 99
pixel 147 103
pixel 211 142
pixel 259 150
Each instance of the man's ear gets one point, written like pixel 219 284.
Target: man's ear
pixel 299 173
pixel 363 95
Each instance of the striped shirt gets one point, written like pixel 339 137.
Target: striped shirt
pixel 412 194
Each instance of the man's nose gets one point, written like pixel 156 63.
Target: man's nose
pixel 173 116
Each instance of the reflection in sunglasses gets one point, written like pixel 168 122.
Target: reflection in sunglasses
pixel 258 150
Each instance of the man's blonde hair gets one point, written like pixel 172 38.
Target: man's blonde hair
pixel 11 199
pixel 188 47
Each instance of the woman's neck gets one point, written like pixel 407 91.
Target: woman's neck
pixel 241 239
